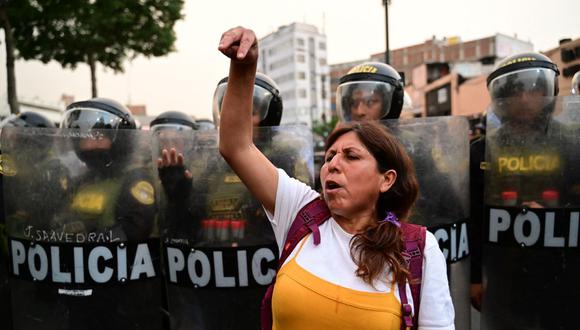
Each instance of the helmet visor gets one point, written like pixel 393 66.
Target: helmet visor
pixel 13 121
pixel 536 81
pixel 364 100
pixel 261 102
pixel 170 127
pixel 89 118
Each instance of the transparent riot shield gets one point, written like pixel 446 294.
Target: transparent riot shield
pixel 439 149
pixel 82 234
pixel 531 261
pixel 219 249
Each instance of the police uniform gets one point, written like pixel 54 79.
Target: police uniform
pixel 123 203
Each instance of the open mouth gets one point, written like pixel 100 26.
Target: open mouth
pixel 331 185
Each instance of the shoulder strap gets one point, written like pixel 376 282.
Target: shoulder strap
pixel 414 240
pixel 307 220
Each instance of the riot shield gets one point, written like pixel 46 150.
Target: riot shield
pixel 531 260
pixel 219 249
pixel 80 218
pixel 439 149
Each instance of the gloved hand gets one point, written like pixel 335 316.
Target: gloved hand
pixel 175 178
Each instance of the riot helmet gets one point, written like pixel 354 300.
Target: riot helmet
pixel 27 119
pixel 267 105
pixel 99 122
pixel 575 88
pixel 173 129
pixel 370 91
pixel 37 148
pixel 205 124
pixel 523 87
pixel 173 120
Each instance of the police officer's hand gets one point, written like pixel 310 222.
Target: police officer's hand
pixel 476 293
pixel 172 159
pixel 240 45
pixel 176 180
pixel 533 205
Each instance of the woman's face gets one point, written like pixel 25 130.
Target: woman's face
pixel 350 178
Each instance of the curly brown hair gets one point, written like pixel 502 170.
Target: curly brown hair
pixel 381 245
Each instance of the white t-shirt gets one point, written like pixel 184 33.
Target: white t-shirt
pixel 331 259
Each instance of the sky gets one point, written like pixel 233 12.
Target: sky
pixel 185 79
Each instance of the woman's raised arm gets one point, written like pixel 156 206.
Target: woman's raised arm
pixel 236 143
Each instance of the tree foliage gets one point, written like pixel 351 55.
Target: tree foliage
pixel 93 31
pixel 324 128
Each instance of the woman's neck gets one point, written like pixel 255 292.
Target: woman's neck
pixel 355 224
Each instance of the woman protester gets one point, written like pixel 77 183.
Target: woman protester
pixel 350 280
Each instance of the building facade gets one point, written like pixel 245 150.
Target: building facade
pixel 295 58
pixel 567 58
pixel 452 50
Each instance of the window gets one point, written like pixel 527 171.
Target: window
pixel 302 75
pixel 300 42
pixel 300 58
pixel 322 45
pixel 322 61
pixel 302 93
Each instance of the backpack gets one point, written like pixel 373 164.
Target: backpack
pixel 313 215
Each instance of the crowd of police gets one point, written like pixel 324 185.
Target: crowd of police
pixel 105 226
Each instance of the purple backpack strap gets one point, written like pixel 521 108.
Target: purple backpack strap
pixel 307 220
pixel 414 239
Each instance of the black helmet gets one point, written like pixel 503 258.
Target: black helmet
pixel 27 119
pixel 528 74
pixel 575 88
pixel 37 147
pixel 204 124
pixel 98 113
pixel 372 83
pixel 173 120
pixel 267 100
pixel 106 116
pixel 523 72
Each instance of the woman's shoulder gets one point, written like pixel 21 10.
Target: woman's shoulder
pixel 430 241
pixel 295 185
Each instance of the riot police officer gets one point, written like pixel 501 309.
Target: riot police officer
pixel 113 201
pixel 173 120
pixel 370 91
pixel 518 75
pixel 172 130
pixel 375 91
pixel 106 153
pixel 276 144
pixel 528 157
pixel 228 196
pixel 38 151
pixel 9 167
pixel 234 230
pixel 267 101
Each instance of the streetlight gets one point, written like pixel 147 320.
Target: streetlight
pixel 386 3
